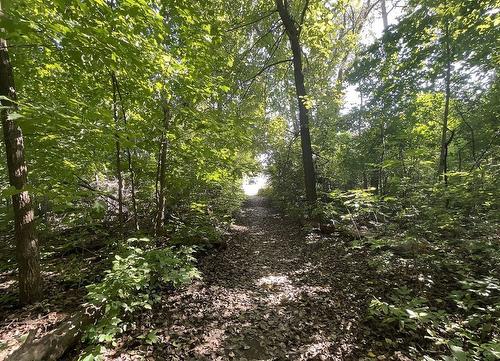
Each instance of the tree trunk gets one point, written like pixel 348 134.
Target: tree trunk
pixel 443 158
pixel 384 14
pixel 132 190
pixel 460 160
pixel 360 124
pixel 28 255
pixel 160 216
pixel 293 34
pixel 54 344
pixel 380 185
pixel 293 113
pixel 129 158
pixel 118 152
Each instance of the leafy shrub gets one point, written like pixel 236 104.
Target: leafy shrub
pixel 202 218
pixel 195 228
pixel 359 208
pixel 469 329
pixel 132 285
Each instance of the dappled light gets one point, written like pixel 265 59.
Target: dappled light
pixel 259 300
pixel 249 180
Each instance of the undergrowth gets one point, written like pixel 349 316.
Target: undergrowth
pixel 132 285
pixel 435 252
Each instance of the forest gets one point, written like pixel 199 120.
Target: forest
pixel 250 180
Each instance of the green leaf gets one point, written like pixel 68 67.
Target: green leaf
pixel 14 116
pixel 458 353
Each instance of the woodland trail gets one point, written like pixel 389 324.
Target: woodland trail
pixel 273 294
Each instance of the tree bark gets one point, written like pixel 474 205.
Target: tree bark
pixel 118 151
pixel 129 159
pixel 160 216
pixel 443 158
pixel 27 251
pixel 293 33
pixel 132 190
pixel 380 187
pixel 54 344
pixel 380 184
pixel 384 14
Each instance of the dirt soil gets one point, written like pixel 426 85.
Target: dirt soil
pixel 70 261
pixel 275 293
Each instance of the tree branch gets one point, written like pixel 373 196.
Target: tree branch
pixel 242 25
pixel 485 152
pixel 303 15
pixel 84 184
pixel 273 27
pixel 267 67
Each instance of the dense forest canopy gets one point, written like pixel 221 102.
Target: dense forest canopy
pixel 129 126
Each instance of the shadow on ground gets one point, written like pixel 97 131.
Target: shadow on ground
pixel 273 294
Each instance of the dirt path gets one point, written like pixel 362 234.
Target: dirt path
pixel 273 294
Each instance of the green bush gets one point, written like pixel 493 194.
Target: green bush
pixel 132 285
pixel 466 327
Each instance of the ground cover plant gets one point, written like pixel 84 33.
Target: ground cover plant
pixel 132 129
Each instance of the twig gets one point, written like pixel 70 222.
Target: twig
pixel 267 67
pixel 242 25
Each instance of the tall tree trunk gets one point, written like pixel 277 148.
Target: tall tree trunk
pixel 443 158
pixel 293 34
pixel 27 252
pixel 380 185
pixel 132 188
pixel 160 216
pixel 129 158
pixel 118 151
pixel 360 124
pixel 384 14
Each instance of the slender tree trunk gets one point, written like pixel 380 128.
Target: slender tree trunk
pixel 384 14
pixel 360 123
pixel 28 255
pixel 118 152
pixel 157 178
pixel 129 158
pixel 132 186
pixel 293 34
pixel 160 217
pixel 380 185
pixel 460 160
pixel 443 158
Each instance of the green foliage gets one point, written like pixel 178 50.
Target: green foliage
pixel 161 53
pixel 359 205
pixel 467 329
pixel 132 285
pixel 201 218
pixel 196 76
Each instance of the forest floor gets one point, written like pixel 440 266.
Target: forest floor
pixel 274 293
pixel 277 291
pixel 70 260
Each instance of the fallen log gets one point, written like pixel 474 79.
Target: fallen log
pixel 54 344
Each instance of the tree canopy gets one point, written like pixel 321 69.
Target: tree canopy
pixel 130 126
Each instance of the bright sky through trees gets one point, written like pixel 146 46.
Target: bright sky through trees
pixel 247 180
